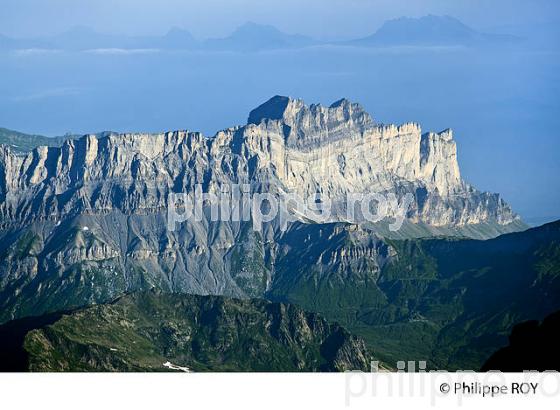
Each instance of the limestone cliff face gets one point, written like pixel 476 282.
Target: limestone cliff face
pixel 86 221
pixel 333 150
pixel 339 150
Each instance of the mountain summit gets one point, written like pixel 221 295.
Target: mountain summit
pixel 310 121
pixel 335 150
pixel 85 221
pixel 430 31
pixel 254 37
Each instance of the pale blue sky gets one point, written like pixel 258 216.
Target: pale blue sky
pixel 209 18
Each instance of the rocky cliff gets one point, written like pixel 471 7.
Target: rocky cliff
pixel 285 146
pixel 86 221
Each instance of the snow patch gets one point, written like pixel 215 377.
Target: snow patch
pixel 172 366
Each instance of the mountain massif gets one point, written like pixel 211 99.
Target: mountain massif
pixel 151 331
pixel 427 31
pixel 431 31
pixel 450 301
pixel 86 221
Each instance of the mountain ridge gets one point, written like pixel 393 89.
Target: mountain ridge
pixel 449 301
pixel 324 135
pixel 149 331
pixel 86 221
pixel 429 30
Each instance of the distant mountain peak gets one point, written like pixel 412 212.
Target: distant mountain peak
pixel 253 37
pixel 252 27
pixel 177 37
pixel 430 30
pixel 178 31
pixel 430 24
